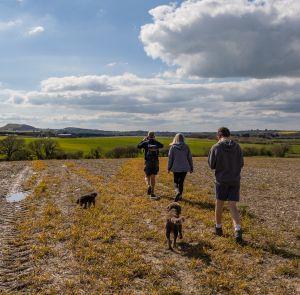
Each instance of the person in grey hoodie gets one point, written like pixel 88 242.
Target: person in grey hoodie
pixel 226 158
pixel 180 162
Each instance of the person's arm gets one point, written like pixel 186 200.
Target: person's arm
pixel 170 158
pixel 158 144
pixel 190 159
pixel 212 157
pixel 141 145
pixel 241 158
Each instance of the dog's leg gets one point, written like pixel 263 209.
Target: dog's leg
pixel 175 236
pixel 168 235
pixel 180 231
pixel 94 203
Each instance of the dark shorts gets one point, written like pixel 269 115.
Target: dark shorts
pixel 151 167
pixel 228 192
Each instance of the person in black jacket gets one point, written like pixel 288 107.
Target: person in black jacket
pixel 151 148
pixel 226 158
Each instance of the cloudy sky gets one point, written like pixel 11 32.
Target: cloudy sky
pixel 125 65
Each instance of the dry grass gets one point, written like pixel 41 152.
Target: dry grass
pixel 119 247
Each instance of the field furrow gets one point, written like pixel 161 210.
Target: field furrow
pixel 54 246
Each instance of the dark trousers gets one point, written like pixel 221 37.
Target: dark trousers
pixel 179 180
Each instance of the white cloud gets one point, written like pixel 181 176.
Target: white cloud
pixel 35 31
pixel 4 26
pixel 129 100
pixel 217 38
pixel 112 64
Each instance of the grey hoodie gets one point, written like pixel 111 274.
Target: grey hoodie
pixel 226 158
pixel 180 158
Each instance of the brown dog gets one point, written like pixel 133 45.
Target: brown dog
pixel 174 224
pixel 87 200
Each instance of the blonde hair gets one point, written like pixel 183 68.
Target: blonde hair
pixel 178 138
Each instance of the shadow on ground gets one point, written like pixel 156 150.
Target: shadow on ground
pixel 195 250
pixel 199 204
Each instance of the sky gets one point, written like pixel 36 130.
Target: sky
pixel 192 65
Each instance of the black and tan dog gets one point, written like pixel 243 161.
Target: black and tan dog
pixel 174 224
pixel 87 200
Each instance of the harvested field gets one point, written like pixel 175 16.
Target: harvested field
pixel 48 245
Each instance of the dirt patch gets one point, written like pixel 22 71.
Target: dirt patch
pixel 14 251
pixel 119 246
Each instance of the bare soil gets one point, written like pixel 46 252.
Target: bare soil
pixel 48 245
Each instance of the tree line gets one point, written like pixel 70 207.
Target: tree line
pixel 13 148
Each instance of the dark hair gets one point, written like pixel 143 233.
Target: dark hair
pixel 223 132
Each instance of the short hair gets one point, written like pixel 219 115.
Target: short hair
pixel 151 134
pixel 223 132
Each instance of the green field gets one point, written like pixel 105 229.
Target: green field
pixel 198 146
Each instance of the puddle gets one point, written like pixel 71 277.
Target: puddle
pixel 16 197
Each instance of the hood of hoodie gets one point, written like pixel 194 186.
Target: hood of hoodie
pixel 179 146
pixel 228 145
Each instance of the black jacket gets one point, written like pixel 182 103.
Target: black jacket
pixel 144 144
pixel 226 158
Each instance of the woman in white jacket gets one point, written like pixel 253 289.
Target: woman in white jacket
pixel 180 162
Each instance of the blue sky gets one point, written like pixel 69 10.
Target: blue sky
pixel 190 65
pixel 80 37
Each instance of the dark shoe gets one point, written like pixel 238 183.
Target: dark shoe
pixel 238 236
pixel 178 197
pixel 149 190
pixel 219 231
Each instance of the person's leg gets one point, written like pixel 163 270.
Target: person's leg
pixel 181 181
pixel 148 183
pixel 147 179
pixel 152 182
pixel 176 182
pixel 238 233
pixel 235 215
pixel 218 212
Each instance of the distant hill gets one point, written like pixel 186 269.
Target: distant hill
pixel 27 130
pixel 75 130
pixel 18 128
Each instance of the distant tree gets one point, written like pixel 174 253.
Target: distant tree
pixel 37 148
pixel 11 145
pixel 280 150
pixel 123 152
pixel 96 153
pixel 50 148
pixel 22 154
pixel 44 148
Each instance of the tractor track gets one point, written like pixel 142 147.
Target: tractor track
pixel 14 250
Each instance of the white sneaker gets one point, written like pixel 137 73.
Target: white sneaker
pixel 154 197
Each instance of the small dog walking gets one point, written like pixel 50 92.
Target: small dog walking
pixel 87 200
pixel 174 224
